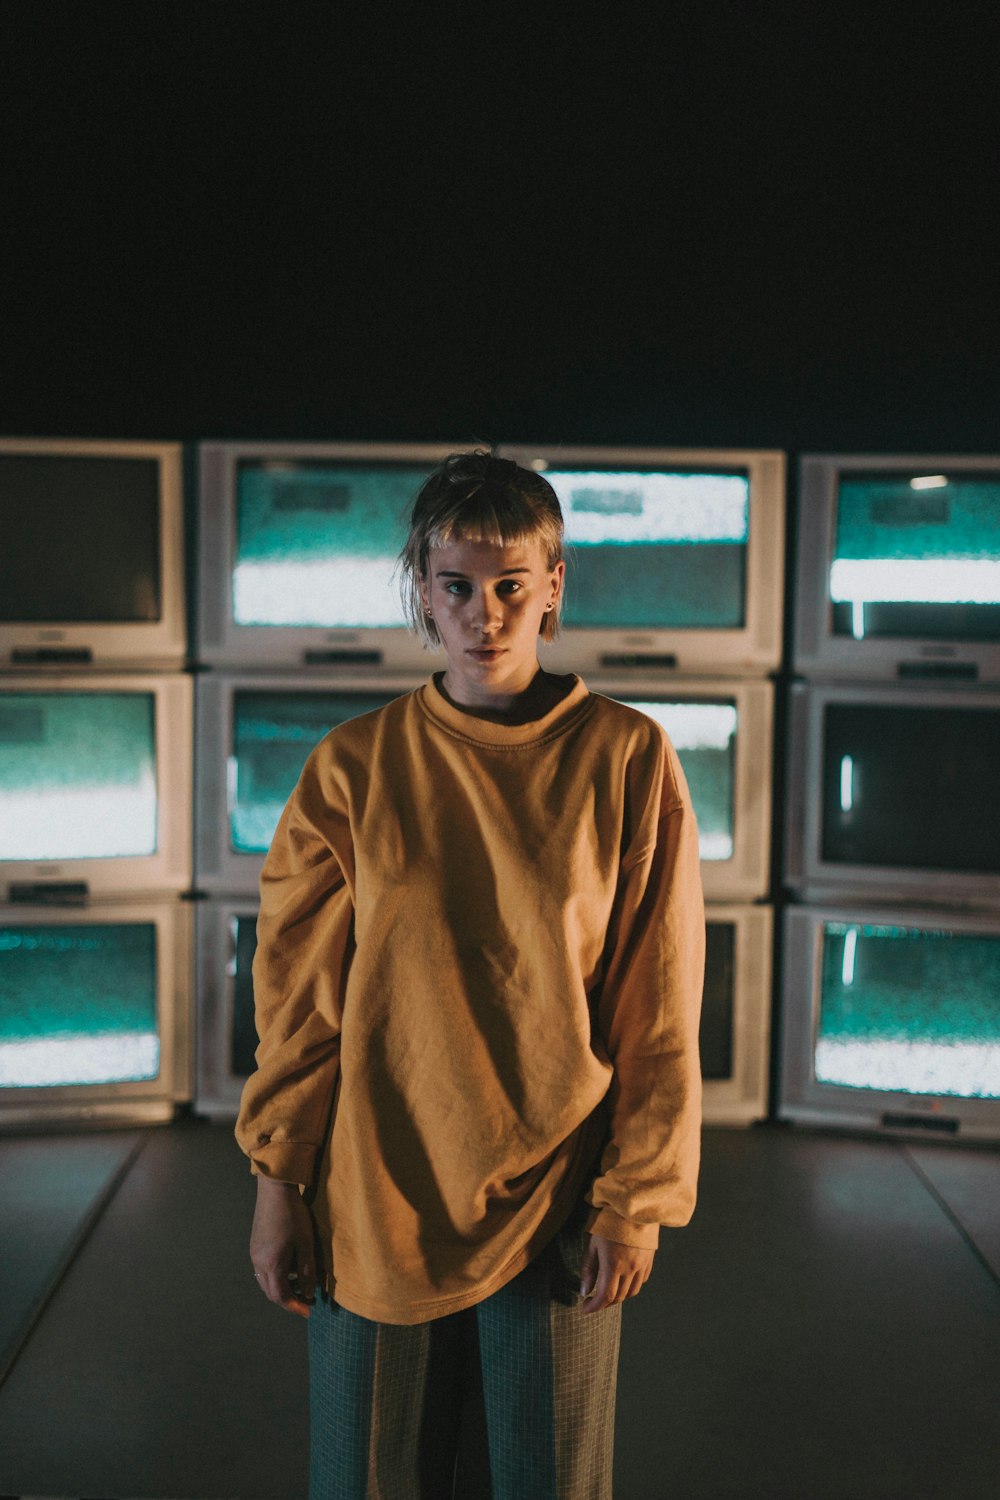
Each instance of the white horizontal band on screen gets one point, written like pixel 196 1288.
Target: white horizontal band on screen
pixel 115 1057
pixel 693 726
pixel 79 822
pixel 606 507
pixel 341 591
pixel 965 1069
pixel 893 580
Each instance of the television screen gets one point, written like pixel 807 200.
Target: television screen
pixel 79 1003
pixel 704 736
pixel 243 1037
pixel 722 730
pixel 57 513
pixel 909 1009
pixel 273 734
pixel 911 787
pixel 317 541
pixel 654 550
pixel 718 1002
pixel 917 556
pixel 77 774
pixel 890 1019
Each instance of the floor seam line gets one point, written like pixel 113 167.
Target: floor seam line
pixel 90 1222
pixel 951 1215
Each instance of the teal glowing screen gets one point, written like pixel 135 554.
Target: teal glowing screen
pixel 917 556
pixel 654 551
pixel 909 1010
pixel 273 733
pixel 77 775
pixel 77 1004
pixel 317 542
pixel 704 736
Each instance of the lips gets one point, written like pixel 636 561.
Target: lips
pixel 485 653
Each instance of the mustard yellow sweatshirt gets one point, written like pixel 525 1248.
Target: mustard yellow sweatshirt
pixel 478 981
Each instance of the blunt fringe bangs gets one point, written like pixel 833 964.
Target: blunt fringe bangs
pixel 476 497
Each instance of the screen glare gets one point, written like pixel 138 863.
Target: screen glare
pixel 647 550
pixel 910 1011
pixel 704 736
pixel 79 1004
pixel 77 775
pixel 317 543
pixel 273 733
pixel 917 557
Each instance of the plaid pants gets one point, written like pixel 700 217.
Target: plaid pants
pixel 512 1399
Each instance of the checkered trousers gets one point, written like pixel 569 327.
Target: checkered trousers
pixel 512 1399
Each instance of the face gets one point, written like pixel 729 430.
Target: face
pixel 488 602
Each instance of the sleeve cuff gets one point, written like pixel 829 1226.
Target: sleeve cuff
pixel 612 1226
pixel 284 1161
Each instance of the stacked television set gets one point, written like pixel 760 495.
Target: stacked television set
pixel 674 562
pixel 95 783
pixel 891 990
pixel 300 627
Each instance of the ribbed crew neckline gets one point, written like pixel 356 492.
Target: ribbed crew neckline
pixel 467 726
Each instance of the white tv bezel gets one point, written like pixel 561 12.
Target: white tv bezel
pixel 145 1101
pixel 806 872
pixel 818 652
pixel 750 650
pixel 129 877
pixel 218 1089
pixel 133 644
pixel 743 1098
pixel 747 875
pixel 805 1101
pixel 222 642
pixel 218 868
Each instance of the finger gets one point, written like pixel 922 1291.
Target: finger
pixel 588 1274
pixel 283 1292
pixel 604 1293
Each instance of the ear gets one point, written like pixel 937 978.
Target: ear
pixel 558 574
pixel 425 593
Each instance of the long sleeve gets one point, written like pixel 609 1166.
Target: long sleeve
pixel 647 1017
pixel 305 939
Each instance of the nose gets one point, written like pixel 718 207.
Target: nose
pixel 487 613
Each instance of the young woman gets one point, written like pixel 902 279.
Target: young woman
pixel 478 981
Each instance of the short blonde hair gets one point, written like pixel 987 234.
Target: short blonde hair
pixel 476 497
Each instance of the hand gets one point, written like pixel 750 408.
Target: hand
pixel 612 1272
pixel 282 1246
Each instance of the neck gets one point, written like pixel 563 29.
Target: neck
pixel 520 706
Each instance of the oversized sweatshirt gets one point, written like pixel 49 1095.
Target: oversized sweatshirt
pixel 477 984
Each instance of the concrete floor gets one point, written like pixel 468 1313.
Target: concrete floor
pixel 828 1326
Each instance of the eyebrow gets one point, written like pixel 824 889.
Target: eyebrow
pixel 451 573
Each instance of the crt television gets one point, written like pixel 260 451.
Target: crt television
pixel 298 549
pixel 674 558
pixel 899 568
pixel 91 554
pixel 254 734
pixel 892 793
pixel 722 732
pixel 96 1020
pixel 735 1024
pixel 95 786
pixel 890 1020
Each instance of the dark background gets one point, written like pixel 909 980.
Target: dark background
pixel 726 224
